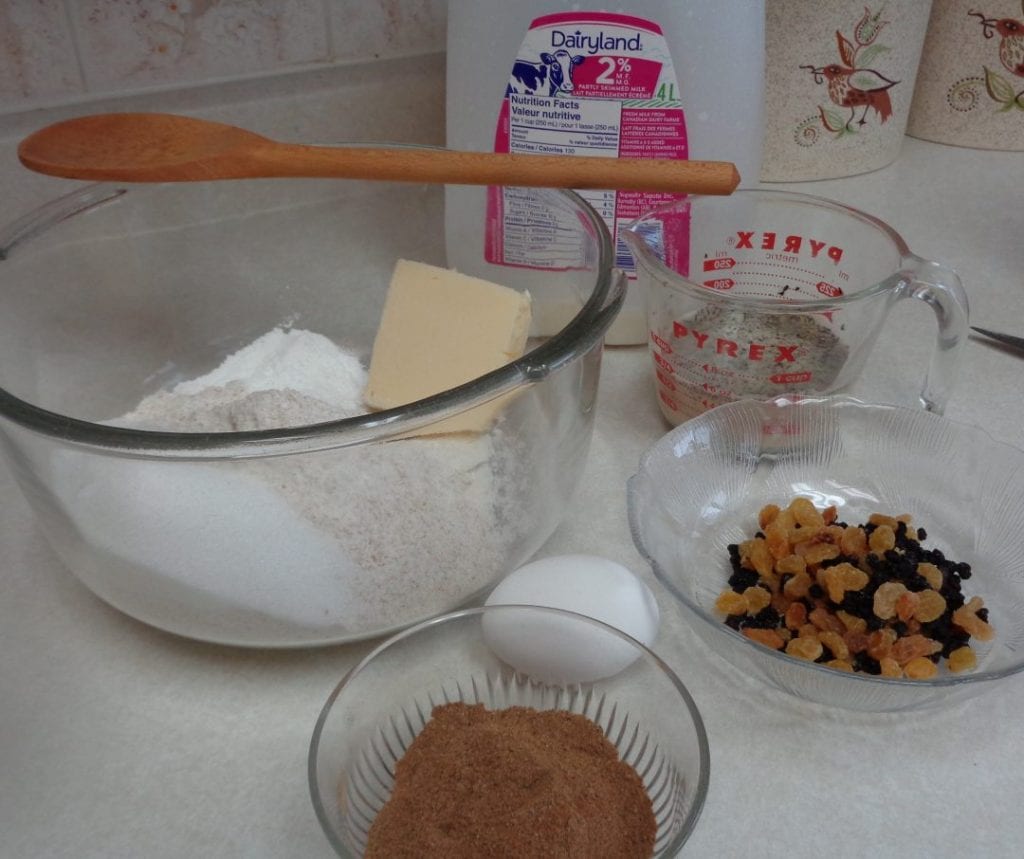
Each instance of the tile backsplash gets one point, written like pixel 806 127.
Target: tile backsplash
pixel 56 52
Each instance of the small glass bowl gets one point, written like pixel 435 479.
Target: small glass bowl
pixel 700 487
pixel 376 711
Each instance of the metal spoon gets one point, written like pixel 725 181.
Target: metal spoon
pixel 1016 343
pixel 156 147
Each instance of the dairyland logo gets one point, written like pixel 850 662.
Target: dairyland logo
pixel 594 43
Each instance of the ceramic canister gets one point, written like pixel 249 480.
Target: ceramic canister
pixel 838 84
pixel 970 89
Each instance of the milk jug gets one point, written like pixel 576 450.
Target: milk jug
pixel 648 78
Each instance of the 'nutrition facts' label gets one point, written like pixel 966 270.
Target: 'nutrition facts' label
pixel 585 83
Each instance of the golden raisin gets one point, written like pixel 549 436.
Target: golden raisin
pixel 808 630
pixel 840 664
pixel 931 574
pixel 767 637
pixel 815 553
pixel 880 643
pixel 805 513
pixel 889 667
pixel 884 602
pixel 798 586
pixel 906 605
pixel 840 578
pixel 834 642
pixel 881 519
pixel 732 603
pixel 806 534
pixel 796 615
pixel 767 514
pixel 882 539
pixel 829 514
pixel 755 553
pixel 823 619
pixel 784 521
pixel 854 542
pixel 757 599
pixel 966 617
pixel 931 605
pixel 834 533
pixel 804 647
pixel 912 646
pixel 851 621
pixel 777 539
pixel 791 564
pixel 856 641
pixel 963 659
pixel 780 602
pixel 920 668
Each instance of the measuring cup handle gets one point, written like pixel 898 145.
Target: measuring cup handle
pixel 940 288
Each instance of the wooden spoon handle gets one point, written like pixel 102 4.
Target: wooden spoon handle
pixel 484 168
pixel 148 147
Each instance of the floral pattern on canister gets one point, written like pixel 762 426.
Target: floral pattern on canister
pixel 855 87
pixel 1003 86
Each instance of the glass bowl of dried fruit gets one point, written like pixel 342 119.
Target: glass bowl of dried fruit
pixel 509 730
pixel 858 555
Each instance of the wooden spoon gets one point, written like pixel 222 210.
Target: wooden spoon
pixel 157 147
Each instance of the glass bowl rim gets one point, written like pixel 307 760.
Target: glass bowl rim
pixel 700 790
pixel 570 343
pixel 837 401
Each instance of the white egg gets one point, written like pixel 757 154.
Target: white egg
pixel 557 648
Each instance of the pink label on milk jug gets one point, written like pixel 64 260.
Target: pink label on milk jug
pixel 587 83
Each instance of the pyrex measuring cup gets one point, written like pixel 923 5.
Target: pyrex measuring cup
pixel 766 293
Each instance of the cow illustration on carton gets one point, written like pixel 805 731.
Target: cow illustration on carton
pixel 551 75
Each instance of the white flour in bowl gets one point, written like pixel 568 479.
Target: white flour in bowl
pixel 360 539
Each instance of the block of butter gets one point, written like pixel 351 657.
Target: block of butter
pixel 440 329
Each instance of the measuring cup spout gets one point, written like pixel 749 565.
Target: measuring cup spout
pixel 646 243
pixel 661 238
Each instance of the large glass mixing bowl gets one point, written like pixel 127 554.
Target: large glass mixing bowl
pixel 321 533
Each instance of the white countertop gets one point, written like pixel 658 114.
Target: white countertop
pixel 117 740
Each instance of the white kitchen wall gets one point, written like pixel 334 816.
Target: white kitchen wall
pixel 56 52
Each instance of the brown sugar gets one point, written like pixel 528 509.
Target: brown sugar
pixel 518 783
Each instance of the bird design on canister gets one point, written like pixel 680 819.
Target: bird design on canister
pixel 1011 40
pixel 1011 57
pixel 854 88
pixel 967 93
pixel 851 83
